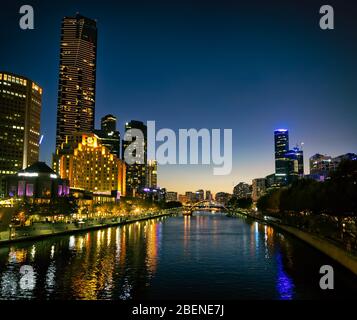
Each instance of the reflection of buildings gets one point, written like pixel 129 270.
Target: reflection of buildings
pixel 37 182
pixel 20 101
pixel 90 166
pixel 153 231
pixel 77 78
pixel 106 264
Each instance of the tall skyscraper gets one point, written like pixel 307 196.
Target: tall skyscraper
pixel 151 174
pixel 136 173
pixel 77 77
pixel 281 140
pixel 289 164
pixel 109 135
pixel 20 103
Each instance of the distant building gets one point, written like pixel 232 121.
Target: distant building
pixel 190 197
pixel 296 166
pixel 321 166
pixel 154 194
pixel 271 181
pixel 38 183
pixel 289 164
pixel 348 156
pixel 136 173
pixel 182 198
pixel 282 163
pixel 90 166
pixel 151 174
pixel 171 196
pixel 108 134
pixel 242 190
pixel 200 195
pixel 209 196
pixel 20 101
pixel 223 197
pixel 259 188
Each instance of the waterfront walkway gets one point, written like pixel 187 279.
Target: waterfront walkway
pixel 46 229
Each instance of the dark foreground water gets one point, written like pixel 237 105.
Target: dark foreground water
pixel 207 256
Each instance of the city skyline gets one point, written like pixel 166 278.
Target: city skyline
pixel 150 149
pixel 123 88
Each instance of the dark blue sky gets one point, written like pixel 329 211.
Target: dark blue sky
pixel 248 66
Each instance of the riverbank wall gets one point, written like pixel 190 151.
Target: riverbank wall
pixel 343 257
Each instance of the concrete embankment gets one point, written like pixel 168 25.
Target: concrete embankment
pixel 345 258
pixel 72 229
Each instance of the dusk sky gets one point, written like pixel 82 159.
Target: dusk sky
pixel 240 65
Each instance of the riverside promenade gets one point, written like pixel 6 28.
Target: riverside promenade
pixel 346 258
pixel 40 230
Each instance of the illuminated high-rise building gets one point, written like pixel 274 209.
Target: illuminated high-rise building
pixel 289 164
pixel 77 77
pixel 282 163
pixel 151 174
pixel 20 103
pixel 136 173
pixel 90 166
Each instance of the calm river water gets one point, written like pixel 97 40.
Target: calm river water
pixel 206 256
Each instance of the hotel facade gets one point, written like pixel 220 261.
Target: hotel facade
pixel 90 166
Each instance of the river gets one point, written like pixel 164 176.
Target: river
pixel 206 256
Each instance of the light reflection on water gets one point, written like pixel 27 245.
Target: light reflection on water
pixel 203 256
